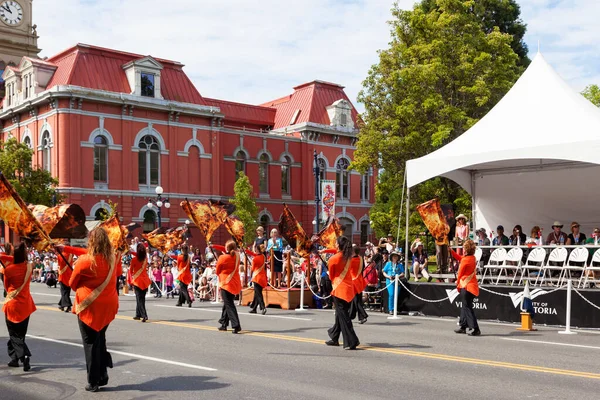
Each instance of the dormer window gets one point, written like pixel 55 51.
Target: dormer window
pixel 340 115
pixel 147 81
pixel 143 76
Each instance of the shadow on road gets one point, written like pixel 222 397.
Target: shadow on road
pixel 172 383
pixel 398 346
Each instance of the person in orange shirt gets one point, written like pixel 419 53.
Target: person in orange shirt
pixel 357 307
pixel 5 258
pixel 343 292
pixel 230 285
pixel 64 275
pixel 18 305
pixel 140 281
pixel 184 277
pixel 469 289
pixel 259 278
pixel 96 304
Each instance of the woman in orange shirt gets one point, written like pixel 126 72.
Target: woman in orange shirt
pixel 230 285
pixel 96 304
pixel 357 307
pixel 343 292
pixel 469 289
pixel 259 278
pixel 140 281
pixel 18 305
pixel 184 277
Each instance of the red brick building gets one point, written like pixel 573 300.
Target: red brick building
pixel 115 125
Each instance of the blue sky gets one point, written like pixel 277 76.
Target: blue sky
pixel 255 51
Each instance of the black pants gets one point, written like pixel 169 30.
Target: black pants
pixel 467 315
pixel 229 313
pixel 326 289
pixel 343 324
pixel 357 307
pixel 65 299
pixel 97 358
pixel 140 302
pixel 258 298
pixel 17 348
pixel 184 296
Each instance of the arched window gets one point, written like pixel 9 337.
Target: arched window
pixel 148 161
pixel 322 168
pixel 263 173
pixel 264 222
pixel 364 232
pixel 100 159
pixel 100 214
pixel 285 176
pixel 240 163
pixel 27 141
pixel 46 146
pixel 149 221
pixel 364 187
pixel 341 178
pixel 347 226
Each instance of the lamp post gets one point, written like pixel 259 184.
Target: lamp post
pixel 317 173
pixel 159 202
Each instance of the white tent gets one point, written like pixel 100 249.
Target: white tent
pixel 533 159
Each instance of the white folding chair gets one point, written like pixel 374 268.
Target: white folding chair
pixel 478 254
pixel 535 262
pixel 558 256
pixel 592 269
pixel 496 260
pixel 579 255
pixel 514 257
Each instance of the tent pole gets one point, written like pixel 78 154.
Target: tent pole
pixel 473 211
pixel 400 210
pixel 406 269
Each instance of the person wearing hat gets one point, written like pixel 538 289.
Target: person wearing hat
pixel 481 234
pixel 557 236
pixel 390 245
pixel 461 231
pixel 501 239
pixel 575 238
pixel 419 260
pixel 392 269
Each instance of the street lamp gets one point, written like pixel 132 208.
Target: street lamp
pixel 317 173
pixel 159 202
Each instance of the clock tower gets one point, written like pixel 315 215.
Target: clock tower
pixel 18 36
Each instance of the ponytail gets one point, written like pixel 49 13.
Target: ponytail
pixel 345 246
pixel 230 247
pixel 185 250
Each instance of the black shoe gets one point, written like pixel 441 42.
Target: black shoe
pixel 189 305
pixel 236 330
pixel 362 321
pixel 223 328
pixel 26 366
pixel 136 318
pixel 13 363
pixel 460 330
pixel 90 388
pixel 103 381
pixel 252 312
pixel 429 279
pixel 264 311
pixel 144 319
pixel 350 348
pixel 332 343
pixel 68 310
pixel 61 308
pixel 178 305
pixel 475 332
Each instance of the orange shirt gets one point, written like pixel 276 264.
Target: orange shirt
pixel 68 251
pixel 22 306
pixel 466 277
pixel 343 288
pixel 258 262
pixel 357 275
pixel 226 266
pixel 185 276
pixel 85 279
pixel 6 259
pixel 143 280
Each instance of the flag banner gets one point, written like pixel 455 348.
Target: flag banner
pixel 117 233
pixel 329 235
pixel 166 239
pixel 435 221
pixel 206 215
pixel 66 221
pixel 290 229
pixel 235 227
pixel 19 218
pixel 327 199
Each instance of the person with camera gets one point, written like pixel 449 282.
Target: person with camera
pixel 393 268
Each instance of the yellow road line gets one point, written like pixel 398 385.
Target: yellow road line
pixel 410 353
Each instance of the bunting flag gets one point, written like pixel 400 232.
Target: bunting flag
pixel 435 221
pixel 206 215
pixel 166 239
pixel 117 233
pixel 329 235
pixel 19 218
pixel 290 229
pixel 66 221
pixel 235 227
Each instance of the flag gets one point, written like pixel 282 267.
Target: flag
pixel 290 229
pixel 206 215
pixel 235 227
pixel 329 235
pixel 526 303
pixel 19 218
pixel 327 199
pixel 435 221
pixel 66 221
pixel 166 239
pixel 117 233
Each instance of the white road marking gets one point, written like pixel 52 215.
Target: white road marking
pixel 254 315
pixel 46 294
pixel 552 343
pixel 132 355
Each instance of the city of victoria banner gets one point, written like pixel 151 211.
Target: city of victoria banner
pixel 327 199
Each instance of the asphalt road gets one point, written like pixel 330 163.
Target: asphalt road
pixel 180 354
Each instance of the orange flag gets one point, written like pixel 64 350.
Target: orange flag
pixel 435 221
pixel 166 240
pixel 206 215
pixel 329 235
pixel 235 227
pixel 290 229
pixel 61 222
pixel 117 233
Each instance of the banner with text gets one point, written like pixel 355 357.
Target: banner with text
pixel 327 199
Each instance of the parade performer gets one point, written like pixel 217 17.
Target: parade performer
pixel 259 278
pixel 357 307
pixel 18 305
pixel 140 281
pixel 96 304
pixel 229 282
pixel 390 270
pixel 5 258
pixel 65 270
pixel 343 293
pixel 469 289
pixel 184 276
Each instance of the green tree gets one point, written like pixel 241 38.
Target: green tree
pixel 104 214
pixel 592 93
pixel 245 206
pixel 34 185
pixel 443 71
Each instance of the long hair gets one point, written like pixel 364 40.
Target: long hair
pixel 141 252
pixel 99 244
pixel 9 248
pixel 262 248
pixel 230 247
pixel 20 253
pixel 185 250
pixel 345 246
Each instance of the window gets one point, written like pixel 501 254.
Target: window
pixel 147 82
pixel 263 173
pixel 285 176
pixel 149 220
pixel 364 187
pixel 264 222
pixel 46 146
pixel 240 163
pixel 31 84
pixel 341 178
pixel 364 232
pixel 322 169
pixel 347 226
pixel 26 86
pixel 27 141
pixel 148 161
pixel 343 119
pixel 100 159
pixel 100 214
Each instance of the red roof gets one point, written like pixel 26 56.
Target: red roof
pixel 244 113
pixel 310 101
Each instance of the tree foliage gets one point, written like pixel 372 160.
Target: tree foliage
pixel 105 214
pixel 592 93
pixel 444 70
pixel 34 185
pixel 245 206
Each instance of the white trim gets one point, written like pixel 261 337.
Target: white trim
pixel 238 149
pixel 149 130
pixel 338 158
pixel 27 134
pixel 45 127
pixel 346 215
pixel 96 207
pixel 101 132
pixel 288 154
pixel 144 209
pixel 327 166
pixel 264 151
pixel 267 213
